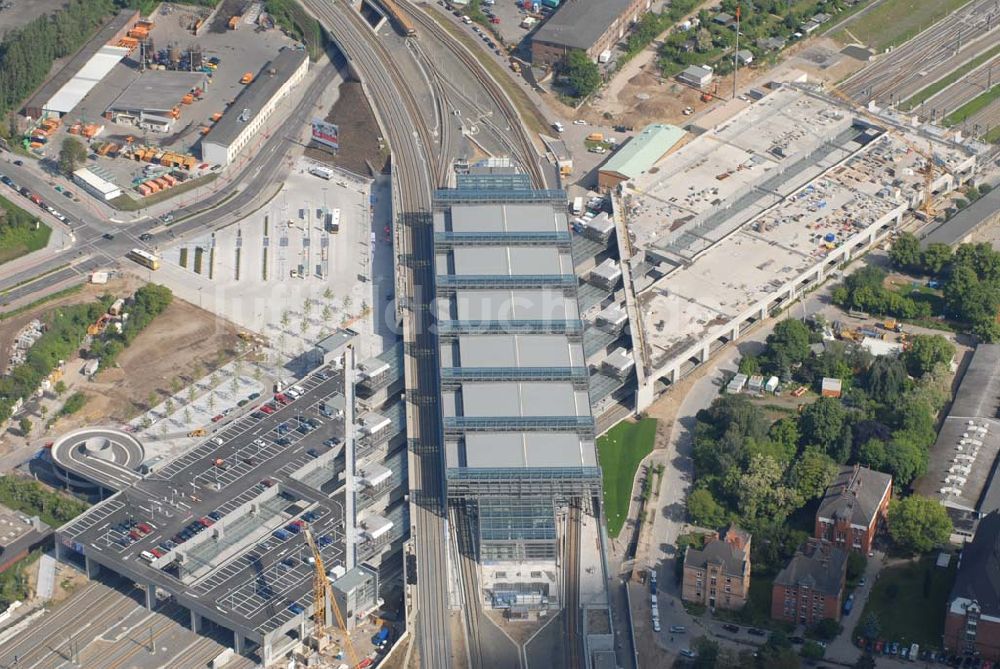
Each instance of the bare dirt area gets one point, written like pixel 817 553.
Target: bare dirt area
pixel 9 328
pixel 360 151
pixel 644 96
pixel 181 344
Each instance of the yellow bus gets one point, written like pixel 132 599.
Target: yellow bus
pixel 144 258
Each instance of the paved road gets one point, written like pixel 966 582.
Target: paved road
pixel 944 46
pixel 91 221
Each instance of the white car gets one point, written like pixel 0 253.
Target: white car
pixel 688 111
pixel 656 625
pixel 558 126
pixel 579 121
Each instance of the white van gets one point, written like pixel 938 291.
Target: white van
pixel 147 556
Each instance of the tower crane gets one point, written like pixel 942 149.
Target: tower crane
pixel 322 595
pixel 928 205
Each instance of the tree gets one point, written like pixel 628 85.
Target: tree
pixel 759 491
pixel 812 650
pixel 211 401
pixel 582 73
pixel 935 258
pixel 927 351
pixel 866 661
pixel 822 423
pixel 25 425
pixel 286 318
pixel 72 154
pixel 918 524
pixel 749 365
pixel 326 314
pixel 827 629
pixel 856 564
pixel 707 653
pixel 328 293
pixel 151 399
pixel 168 406
pixel 789 339
pixel 870 626
pixel 885 380
pixel 704 510
pixel 904 458
pixel 812 473
pixel 905 252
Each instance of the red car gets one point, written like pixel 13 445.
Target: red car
pixel 206 521
pixel 282 397
pixel 267 408
pixel 157 552
pixel 298 523
pixel 145 528
pixel 267 483
pixel 134 535
pixel 495 19
pixel 216 419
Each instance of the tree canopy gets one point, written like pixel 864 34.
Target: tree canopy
pixel 582 73
pixel 72 154
pixel 927 351
pixel 918 524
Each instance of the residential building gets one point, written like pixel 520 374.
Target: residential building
pixel 811 586
pixel 244 118
pixel 718 575
pixel 593 27
pixel 972 617
pixel 852 508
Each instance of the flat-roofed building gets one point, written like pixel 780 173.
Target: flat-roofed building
pixel 517 424
pixel 592 27
pixel 695 75
pixel 98 185
pixel 244 118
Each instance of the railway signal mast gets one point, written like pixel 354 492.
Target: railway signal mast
pixel 736 52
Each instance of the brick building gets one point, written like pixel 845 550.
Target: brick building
pixel 972 617
pixel 811 586
pixel 718 575
pixel 593 27
pixel 852 508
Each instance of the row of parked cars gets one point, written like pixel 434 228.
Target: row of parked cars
pixel 36 198
pixel 914 653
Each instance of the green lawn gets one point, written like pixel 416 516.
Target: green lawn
pixel 972 106
pixel 949 79
pixel 620 451
pixel 895 21
pixel 904 613
pixel 19 234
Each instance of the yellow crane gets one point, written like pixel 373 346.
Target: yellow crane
pixel 928 205
pixel 322 594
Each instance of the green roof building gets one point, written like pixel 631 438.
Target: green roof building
pixel 639 154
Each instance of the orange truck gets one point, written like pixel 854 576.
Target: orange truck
pixel 246 78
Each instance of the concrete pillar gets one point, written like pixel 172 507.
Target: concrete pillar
pixel 706 352
pixel 763 312
pixel 267 652
pixel 150 596
pixel 238 643
pixel 91 567
pixel 196 622
pixel 59 550
pixel 645 397
pixel 735 334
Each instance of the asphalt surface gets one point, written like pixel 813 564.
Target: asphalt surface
pixel 197 484
pixel 94 251
pixel 116 468
pixel 935 52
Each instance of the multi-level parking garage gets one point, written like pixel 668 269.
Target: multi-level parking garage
pixel 221 528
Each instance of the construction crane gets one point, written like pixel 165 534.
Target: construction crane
pixel 928 205
pixel 322 595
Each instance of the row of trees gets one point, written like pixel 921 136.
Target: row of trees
pixel 865 289
pixel 148 302
pixel 30 497
pixel 758 472
pixel 969 279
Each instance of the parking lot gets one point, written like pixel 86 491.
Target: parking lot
pixel 187 519
pixel 237 51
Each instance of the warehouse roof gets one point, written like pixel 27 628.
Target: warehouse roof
pixel 578 24
pixel 962 461
pixel 96 68
pixel 94 181
pixel 157 91
pixel 955 230
pixel 644 150
pixel 253 98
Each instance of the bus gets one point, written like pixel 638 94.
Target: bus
pixel 144 258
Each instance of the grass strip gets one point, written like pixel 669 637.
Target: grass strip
pixel 928 92
pixel 620 451
pixel 973 106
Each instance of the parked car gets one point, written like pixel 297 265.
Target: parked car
pixel 677 629
pixel 729 627
pixel 296 608
pixel 753 631
pixel 687 652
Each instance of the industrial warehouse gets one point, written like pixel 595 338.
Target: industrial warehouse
pixel 233 529
pixel 736 223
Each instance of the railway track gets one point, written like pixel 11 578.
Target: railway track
pixel 574 657
pixel 53 640
pixel 525 148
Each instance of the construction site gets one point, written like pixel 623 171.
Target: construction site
pixel 736 224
